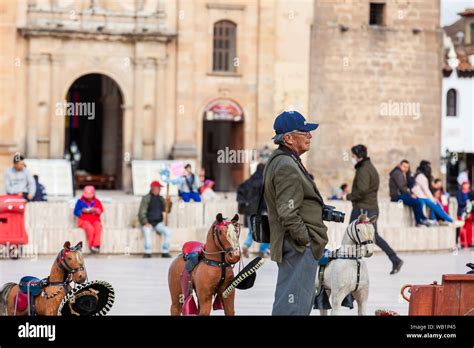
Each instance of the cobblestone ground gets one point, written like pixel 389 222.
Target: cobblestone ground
pixel 142 289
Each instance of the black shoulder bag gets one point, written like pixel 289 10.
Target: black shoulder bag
pixel 259 222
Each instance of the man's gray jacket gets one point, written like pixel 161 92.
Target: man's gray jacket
pixel 295 207
pixel 19 181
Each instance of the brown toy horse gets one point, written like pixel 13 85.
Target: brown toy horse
pixel 212 273
pixel 67 267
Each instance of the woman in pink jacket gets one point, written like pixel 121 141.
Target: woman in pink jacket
pixel 422 190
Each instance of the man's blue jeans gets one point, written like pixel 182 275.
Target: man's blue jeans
pixel 415 204
pixel 161 229
pixel 249 241
pixel 437 209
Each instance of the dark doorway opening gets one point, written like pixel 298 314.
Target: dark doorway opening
pixel 95 126
pixel 464 161
pixel 223 136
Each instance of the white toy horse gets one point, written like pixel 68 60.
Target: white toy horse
pixel 346 272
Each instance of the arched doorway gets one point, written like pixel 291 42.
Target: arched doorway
pixel 223 141
pixel 94 122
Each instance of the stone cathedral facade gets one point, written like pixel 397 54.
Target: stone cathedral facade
pixel 182 79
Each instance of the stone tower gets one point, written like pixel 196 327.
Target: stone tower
pixel 375 79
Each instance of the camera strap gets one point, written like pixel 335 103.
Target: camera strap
pixel 302 168
pixel 306 174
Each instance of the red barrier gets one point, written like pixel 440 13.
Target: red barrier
pixel 12 220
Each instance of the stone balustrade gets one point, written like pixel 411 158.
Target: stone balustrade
pixel 49 224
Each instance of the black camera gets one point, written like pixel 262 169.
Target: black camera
pixel 329 214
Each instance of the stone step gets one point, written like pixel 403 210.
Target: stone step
pixel 400 239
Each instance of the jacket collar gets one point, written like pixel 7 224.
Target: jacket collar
pixel 359 164
pixel 285 149
pixel 289 151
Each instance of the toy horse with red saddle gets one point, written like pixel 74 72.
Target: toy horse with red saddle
pixel 206 269
pixel 34 296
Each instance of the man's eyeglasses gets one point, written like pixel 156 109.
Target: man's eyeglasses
pixel 306 134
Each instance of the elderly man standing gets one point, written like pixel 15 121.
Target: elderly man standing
pixel 18 180
pixel 295 212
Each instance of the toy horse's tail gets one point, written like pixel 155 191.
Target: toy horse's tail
pixel 4 297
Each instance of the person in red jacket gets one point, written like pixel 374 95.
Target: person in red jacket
pixel 87 211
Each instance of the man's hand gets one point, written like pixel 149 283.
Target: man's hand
pixel 30 197
pixel 20 194
pixel 413 196
pixel 86 210
pixel 147 225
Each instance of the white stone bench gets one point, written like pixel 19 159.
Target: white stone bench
pixel 50 224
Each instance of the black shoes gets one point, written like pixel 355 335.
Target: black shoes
pixel 164 255
pixel 397 266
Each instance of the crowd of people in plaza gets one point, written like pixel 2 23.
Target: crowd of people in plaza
pixel 422 190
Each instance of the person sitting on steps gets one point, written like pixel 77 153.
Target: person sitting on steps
pixel 150 215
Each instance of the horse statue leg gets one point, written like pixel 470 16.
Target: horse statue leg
pixel 361 296
pixel 8 300
pixel 229 304
pixel 340 281
pixel 174 283
pixel 204 295
pixel 337 296
pixel 362 293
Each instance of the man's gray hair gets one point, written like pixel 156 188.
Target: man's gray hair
pixel 279 139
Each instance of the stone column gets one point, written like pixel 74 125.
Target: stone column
pixel 137 109
pixel 128 129
pixel 38 99
pixel 161 117
pixel 57 120
pixel 149 101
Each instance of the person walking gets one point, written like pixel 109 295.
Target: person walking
pixel 364 198
pixel 399 191
pixel 88 210
pixel 150 215
pixel 298 234
pixel 248 196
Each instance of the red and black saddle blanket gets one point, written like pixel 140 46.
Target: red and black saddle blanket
pixel 192 253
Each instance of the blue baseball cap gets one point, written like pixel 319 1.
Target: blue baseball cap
pixel 289 121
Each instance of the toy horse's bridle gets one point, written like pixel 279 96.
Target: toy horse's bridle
pixel 223 264
pixel 62 262
pixel 217 239
pixel 64 266
pixel 353 234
